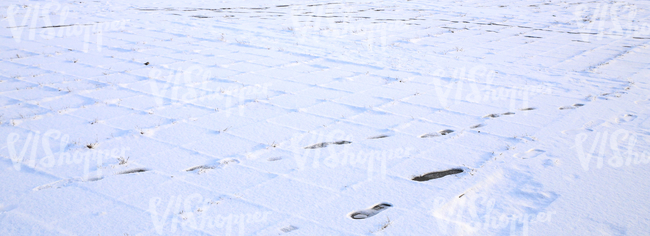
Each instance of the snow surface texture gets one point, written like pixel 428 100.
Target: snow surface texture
pixel 282 117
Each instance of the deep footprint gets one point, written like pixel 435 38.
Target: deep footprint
pixel 445 132
pixel 441 132
pixel 325 144
pixel 341 142
pixel 318 145
pixel 437 175
pixel 378 137
pixel 367 213
pixel 138 170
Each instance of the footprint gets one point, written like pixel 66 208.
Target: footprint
pixel 429 135
pixel 318 145
pixel 441 132
pixel 445 132
pixel 274 158
pixel 437 175
pixel 289 229
pixel 491 116
pixel 4 208
pixel 551 162
pixel 527 109
pixel 379 136
pixel 341 142
pixel 138 170
pixel 228 161
pixel 64 183
pixel 532 153
pixel 625 118
pixel 57 184
pixel 367 213
pixel 574 106
pixel 508 113
pixel 325 144
pixel 94 179
pixel 200 169
pixel 477 126
pixel 643 102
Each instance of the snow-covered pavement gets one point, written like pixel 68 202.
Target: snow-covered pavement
pixel 324 118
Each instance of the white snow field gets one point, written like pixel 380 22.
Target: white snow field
pixel 276 117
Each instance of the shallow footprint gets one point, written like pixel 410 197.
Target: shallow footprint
pixel 574 106
pixel 532 153
pixel 7 208
pixel 437 175
pixel 367 213
pixel 288 229
pixel 429 135
pixel 66 182
pixel 57 184
pixel 477 126
pixel 625 118
pixel 200 169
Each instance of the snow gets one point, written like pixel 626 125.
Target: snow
pixel 278 117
